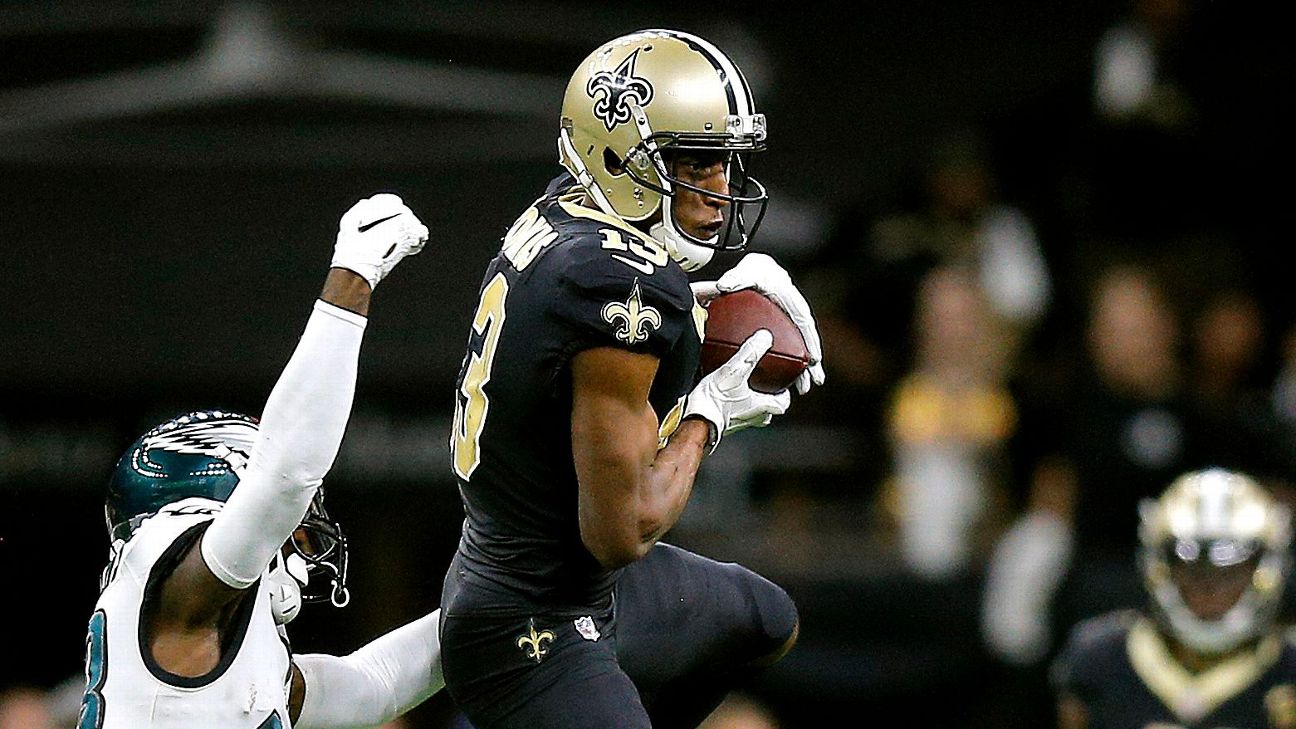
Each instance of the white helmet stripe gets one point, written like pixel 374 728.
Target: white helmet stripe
pixel 1214 506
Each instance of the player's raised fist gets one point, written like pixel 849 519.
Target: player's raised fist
pixel 375 234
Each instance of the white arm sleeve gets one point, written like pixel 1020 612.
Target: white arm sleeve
pixel 301 431
pixel 377 683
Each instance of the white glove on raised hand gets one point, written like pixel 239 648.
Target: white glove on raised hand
pixel 725 399
pixel 1026 570
pixel 375 234
pixel 761 272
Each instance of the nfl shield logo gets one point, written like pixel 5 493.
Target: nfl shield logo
pixel 585 626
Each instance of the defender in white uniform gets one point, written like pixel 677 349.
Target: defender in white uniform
pixel 219 536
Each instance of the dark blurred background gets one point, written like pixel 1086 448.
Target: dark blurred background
pixel 1044 242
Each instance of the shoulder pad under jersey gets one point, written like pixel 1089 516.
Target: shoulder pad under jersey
pixel 620 287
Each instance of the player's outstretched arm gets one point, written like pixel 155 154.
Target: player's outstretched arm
pixel 300 433
pixel 372 686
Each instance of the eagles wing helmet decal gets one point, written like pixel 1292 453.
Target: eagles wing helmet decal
pixel 612 92
pixel 200 437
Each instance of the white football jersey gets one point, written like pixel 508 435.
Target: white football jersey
pixel 125 689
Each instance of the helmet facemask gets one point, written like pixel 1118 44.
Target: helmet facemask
pixel 1213 602
pixel 321 546
pixel 744 203
pixel 311 567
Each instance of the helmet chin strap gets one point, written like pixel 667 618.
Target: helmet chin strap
pixel 286 578
pixel 689 255
pixel 1239 624
pixel 575 165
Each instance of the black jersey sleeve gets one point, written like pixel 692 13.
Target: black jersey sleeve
pixel 615 299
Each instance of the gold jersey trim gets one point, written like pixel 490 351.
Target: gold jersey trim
pixel 1193 696
pixel 570 203
pixel 700 319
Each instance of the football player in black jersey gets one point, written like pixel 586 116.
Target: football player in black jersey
pixel 580 420
pixel 1209 651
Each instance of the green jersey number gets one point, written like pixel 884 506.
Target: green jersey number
pixel 92 702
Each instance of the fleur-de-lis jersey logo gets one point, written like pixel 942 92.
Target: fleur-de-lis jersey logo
pixel 533 643
pixel 612 92
pixel 638 317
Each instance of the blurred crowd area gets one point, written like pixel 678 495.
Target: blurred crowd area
pixel 1054 311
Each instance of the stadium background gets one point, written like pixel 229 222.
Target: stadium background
pixel 171 175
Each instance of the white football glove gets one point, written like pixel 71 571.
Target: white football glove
pixel 761 272
pixel 725 399
pixel 375 234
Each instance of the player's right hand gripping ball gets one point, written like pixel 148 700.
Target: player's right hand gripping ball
pixel 375 234
pixel 732 318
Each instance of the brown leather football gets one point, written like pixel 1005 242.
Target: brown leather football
pixel 733 317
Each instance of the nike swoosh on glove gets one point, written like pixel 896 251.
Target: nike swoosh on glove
pixel 375 234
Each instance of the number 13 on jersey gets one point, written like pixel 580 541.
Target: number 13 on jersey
pixel 471 402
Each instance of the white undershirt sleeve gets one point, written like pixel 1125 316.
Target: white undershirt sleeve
pixel 301 431
pixel 377 683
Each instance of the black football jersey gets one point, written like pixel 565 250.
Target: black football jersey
pixel 567 278
pixel 1120 667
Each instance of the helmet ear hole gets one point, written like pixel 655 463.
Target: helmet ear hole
pixel 612 163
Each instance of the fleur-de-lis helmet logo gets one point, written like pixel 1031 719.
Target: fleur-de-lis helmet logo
pixel 613 91
pixel 638 317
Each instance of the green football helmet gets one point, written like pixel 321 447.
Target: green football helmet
pixel 199 454
pixel 202 454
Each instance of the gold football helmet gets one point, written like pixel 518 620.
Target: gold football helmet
pixel 1215 557
pixel 649 94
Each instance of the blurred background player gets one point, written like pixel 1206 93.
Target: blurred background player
pixel 1207 650
pixel 580 423
pixel 219 536
pixel 949 423
pixel 1124 430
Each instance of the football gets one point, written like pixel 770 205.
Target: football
pixel 733 317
